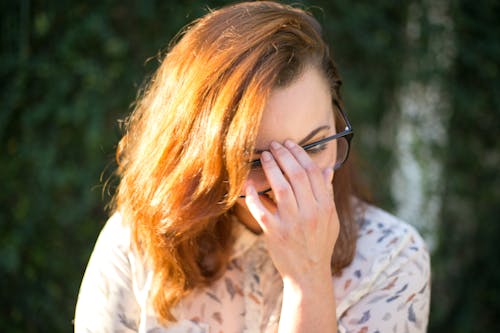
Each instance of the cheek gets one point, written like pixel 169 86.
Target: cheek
pixel 267 200
pixel 240 206
pixel 258 179
pixel 327 158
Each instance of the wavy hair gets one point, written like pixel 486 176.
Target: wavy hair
pixel 184 156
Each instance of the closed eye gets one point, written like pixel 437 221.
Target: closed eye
pixel 312 148
pixel 255 165
pixel 317 148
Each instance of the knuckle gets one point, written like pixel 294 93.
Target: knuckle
pixel 261 216
pixel 281 190
pixel 280 153
pixel 311 168
pixel 310 216
pixel 299 174
pixel 299 150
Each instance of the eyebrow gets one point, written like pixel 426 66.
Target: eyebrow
pixel 303 141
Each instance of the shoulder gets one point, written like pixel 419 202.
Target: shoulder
pixel 115 232
pixel 113 244
pixel 389 244
pixel 387 285
pixel 106 298
pixel 382 233
pixel 111 254
pixel 391 261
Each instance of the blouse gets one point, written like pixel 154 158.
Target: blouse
pixel 386 288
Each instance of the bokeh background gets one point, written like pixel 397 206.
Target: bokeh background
pixel 421 85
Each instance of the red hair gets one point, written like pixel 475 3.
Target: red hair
pixel 184 156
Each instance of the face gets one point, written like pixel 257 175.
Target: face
pixel 301 112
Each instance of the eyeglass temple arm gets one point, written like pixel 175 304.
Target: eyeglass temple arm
pixel 348 123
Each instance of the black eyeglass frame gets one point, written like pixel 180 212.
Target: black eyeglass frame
pixel 348 133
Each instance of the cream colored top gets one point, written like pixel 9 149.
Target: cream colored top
pixel 385 289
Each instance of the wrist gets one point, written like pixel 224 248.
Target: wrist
pixel 308 305
pixel 309 284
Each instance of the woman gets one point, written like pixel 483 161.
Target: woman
pixel 235 210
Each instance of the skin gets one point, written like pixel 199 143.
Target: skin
pixel 299 221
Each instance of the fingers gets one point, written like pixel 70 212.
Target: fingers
pixel 297 182
pixel 274 167
pixel 287 177
pixel 304 176
pixel 261 214
pixel 316 176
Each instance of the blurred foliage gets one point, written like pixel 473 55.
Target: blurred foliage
pixel 466 270
pixel 71 69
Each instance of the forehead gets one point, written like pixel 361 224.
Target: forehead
pixel 294 111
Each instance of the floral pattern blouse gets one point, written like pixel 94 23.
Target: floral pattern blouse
pixel 386 288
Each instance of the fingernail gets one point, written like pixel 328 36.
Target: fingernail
pixel 266 156
pixel 275 145
pixel 289 144
pixel 249 189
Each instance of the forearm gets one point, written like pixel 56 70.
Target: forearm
pixel 308 306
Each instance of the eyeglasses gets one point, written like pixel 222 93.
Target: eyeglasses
pixel 320 151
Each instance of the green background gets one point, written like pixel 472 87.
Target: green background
pixel 70 70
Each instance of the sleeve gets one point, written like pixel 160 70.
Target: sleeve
pixel 398 301
pixel 106 301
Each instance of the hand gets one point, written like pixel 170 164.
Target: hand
pixel 301 225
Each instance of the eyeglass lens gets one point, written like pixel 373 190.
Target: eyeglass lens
pixel 331 153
